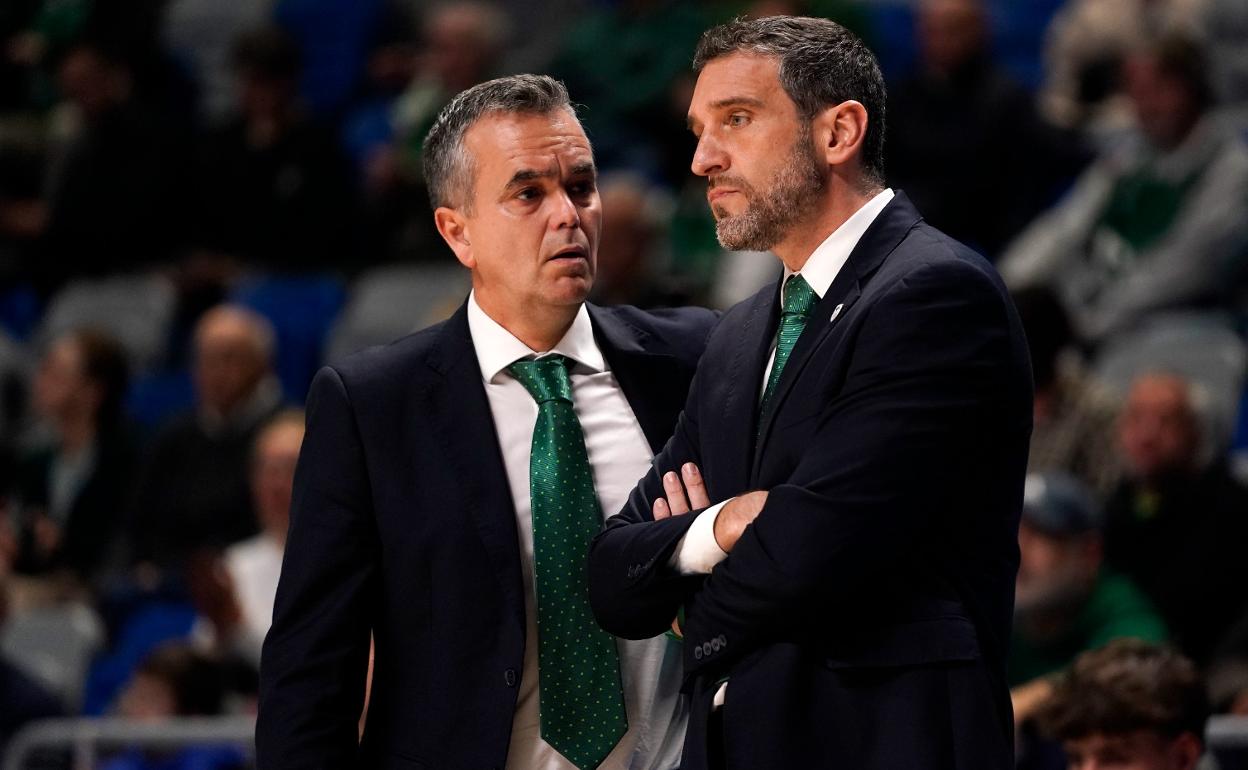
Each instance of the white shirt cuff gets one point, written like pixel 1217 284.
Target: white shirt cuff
pixel 697 552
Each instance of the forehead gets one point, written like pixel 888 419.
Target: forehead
pixel 503 143
pixel 738 76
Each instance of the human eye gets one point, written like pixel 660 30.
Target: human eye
pixel 737 120
pixel 528 194
pixel 583 187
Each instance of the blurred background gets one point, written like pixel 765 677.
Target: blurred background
pixel 201 202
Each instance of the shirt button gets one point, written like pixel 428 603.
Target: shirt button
pixel 509 676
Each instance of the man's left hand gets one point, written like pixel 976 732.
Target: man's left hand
pixel 684 493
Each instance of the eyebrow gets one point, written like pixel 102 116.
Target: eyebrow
pixel 731 101
pixel 525 175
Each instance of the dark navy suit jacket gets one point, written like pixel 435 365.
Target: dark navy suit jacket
pixel 402 525
pixel 862 619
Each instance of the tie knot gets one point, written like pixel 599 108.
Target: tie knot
pixel 799 298
pixel 546 379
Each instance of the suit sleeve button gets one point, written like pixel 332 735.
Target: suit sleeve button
pixel 697 653
pixel 706 648
pixel 509 676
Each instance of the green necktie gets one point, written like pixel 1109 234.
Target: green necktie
pixel 798 298
pixel 581 701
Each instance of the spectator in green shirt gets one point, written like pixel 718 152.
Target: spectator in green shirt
pixel 1065 600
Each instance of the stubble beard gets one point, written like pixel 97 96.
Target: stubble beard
pixel 791 194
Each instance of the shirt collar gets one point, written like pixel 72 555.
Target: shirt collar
pixel 827 260
pixel 497 348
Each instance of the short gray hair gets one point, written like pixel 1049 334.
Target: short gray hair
pixel 448 166
pixel 821 65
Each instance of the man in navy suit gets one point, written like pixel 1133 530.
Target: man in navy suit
pixel 863 425
pixel 450 483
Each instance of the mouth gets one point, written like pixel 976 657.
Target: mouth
pixel 570 254
pixel 715 193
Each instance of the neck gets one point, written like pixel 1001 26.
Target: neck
pixel 538 326
pixel 842 199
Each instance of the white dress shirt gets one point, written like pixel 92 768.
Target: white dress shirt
pixel 698 552
pixel 619 455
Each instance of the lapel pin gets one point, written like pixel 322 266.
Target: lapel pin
pixel 836 312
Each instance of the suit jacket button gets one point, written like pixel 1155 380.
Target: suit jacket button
pixel 509 676
pixel 697 653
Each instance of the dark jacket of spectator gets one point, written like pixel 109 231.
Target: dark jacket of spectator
pixel 1182 540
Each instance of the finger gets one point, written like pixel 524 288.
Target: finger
pixel 661 511
pixel 698 497
pixel 676 628
pixel 675 493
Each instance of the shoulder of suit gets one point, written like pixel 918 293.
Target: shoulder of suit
pixel 674 331
pixel 398 361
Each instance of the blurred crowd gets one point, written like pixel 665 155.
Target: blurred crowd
pixel 202 201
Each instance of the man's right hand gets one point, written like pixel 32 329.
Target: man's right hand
pixel 734 517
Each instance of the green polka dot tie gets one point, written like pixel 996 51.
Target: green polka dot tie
pixel 580 699
pixel 798 298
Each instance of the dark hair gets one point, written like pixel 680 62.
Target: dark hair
pixel 104 363
pixel 1125 686
pixel 267 53
pixel 821 65
pixel 195 679
pixel 447 165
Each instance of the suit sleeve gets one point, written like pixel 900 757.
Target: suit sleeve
pixel 315 657
pixel 632 590
pixel 933 366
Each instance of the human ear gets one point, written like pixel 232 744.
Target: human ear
pixel 843 131
pixel 453 227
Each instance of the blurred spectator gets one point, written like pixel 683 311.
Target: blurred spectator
pixel 235 594
pixel 964 140
pixel 1087 42
pixel 629 257
pixel 115 198
pixel 70 493
pixel 1066 601
pixel 201 34
pixel 335 37
pixel 1074 417
pixel 174 681
pixel 623 59
pixel 1159 223
pixel 1178 522
pixel 460 46
pixel 194 491
pixel 273 189
pixel 25 699
pixel 1129 705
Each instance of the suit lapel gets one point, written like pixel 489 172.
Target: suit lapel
pixel 888 230
pixel 459 409
pixel 645 376
pixel 739 423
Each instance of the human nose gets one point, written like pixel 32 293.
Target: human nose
pixel 566 213
pixel 708 157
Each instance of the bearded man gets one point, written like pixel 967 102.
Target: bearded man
pixel 862 428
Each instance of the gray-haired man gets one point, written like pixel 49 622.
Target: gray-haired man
pixel 450 483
